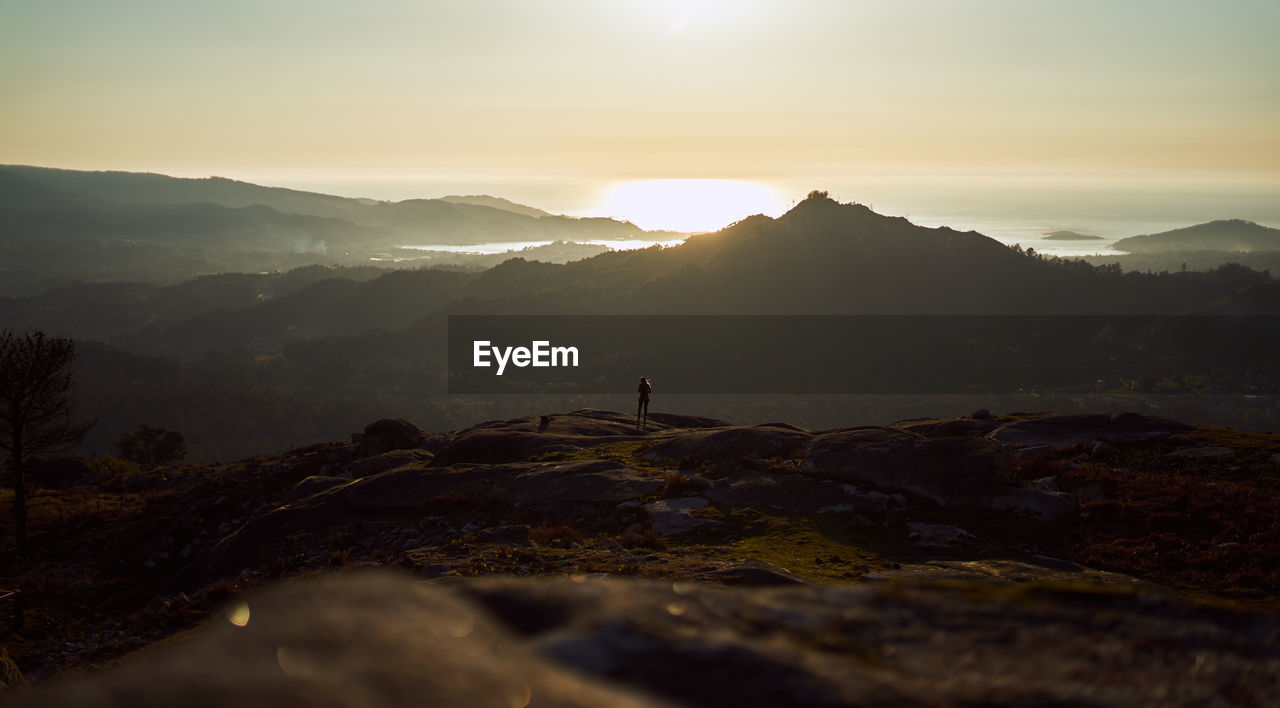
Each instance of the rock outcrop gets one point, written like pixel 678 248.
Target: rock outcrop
pixel 389 434
pixel 382 640
pixel 950 471
pixel 1059 430
pixel 730 444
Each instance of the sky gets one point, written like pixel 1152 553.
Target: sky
pixel 586 94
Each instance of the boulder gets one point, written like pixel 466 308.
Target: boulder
pixel 550 485
pixel 675 420
pixel 591 422
pixel 373 640
pixel 1037 504
pixel 518 439
pixel 365 466
pixel 385 640
pixel 882 644
pixel 950 471
pixel 948 428
pixel 313 485
pixel 936 535
pixel 556 487
pixel 671 517
pixel 559 486
pixel 729 444
pixel 1203 452
pixel 389 434
pixel 1061 430
pixel 798 494
pixel 498 446
pixel 752 572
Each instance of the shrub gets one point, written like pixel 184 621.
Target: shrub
pixel 113 467
pixel 554 535
pixel 152 446
pixel 645 538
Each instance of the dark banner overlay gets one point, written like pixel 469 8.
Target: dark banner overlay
pixel 491 354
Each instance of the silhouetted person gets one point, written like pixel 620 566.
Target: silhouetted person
pixel 642 410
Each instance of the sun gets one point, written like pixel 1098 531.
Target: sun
pixel 684 14
pixel 689 205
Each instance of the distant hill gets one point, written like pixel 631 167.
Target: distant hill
pixel 67 225
pixel 1070 236
pixel 459 220
pixel 495 203
pixel 151 188
pixel 1228 235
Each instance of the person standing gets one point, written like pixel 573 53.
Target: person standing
pixel 642 410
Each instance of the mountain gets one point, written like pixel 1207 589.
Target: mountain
pixel 304 339
pixel 64 225
pixel 823 257
pixel 820 258
pixel 496 203
pixel 1230 235
pixel 151 188
pixel 456 220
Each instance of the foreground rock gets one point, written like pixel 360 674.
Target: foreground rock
pixel 379 640
pixel 343 641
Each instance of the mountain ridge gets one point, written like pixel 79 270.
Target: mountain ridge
pixel 1219 235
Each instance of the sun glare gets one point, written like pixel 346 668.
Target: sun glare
pixel 689 205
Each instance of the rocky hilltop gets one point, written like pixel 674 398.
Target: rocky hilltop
pixel 569 559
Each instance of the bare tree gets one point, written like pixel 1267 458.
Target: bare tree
pixel 36 405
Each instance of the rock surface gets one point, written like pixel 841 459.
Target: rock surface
pixel 389 434
pixel 880 513
pixel 382 640
pixel 1203 452
pixel 671 517
pixel 1058 430
pixel 1032 503
pixel 950 471
pixel 368 641
pixel 730 444
pixel 548 486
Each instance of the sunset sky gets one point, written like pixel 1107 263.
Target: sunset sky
pixel 610 91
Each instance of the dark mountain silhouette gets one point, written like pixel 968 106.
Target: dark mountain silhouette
pixel 823 257
pixel 1229 235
